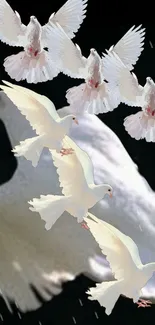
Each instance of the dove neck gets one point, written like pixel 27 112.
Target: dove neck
pixel 66 122
pixel 149 268
pixel 99 190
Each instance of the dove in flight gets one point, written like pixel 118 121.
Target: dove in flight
pixel 123 256
pixel 94 95
pixel 76 178
pixel 35 64
pixel 142 124
pixel 44 119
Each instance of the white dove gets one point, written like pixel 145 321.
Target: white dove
pixel 142 124
pixel 35 64
pixel 122 253
pixel 95 95
pixel 44 119
pixel 77 180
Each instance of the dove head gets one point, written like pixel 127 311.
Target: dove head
pixel 33 19
pixel 68 120
pixel 107 189
pixel 93 52
pixel 149 81
pixel 94 56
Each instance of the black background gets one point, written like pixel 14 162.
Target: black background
pixel 105 24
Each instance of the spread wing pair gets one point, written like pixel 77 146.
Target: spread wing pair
pixel 95 96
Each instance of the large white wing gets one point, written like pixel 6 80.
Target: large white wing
pixel 130 46
pixel 120 250
pixel 70 16
pixel 63 49
pixel 74 176
pixel 12 31
pixel 116 72
pixel 83 158
pixel 45 101
pixel 37 109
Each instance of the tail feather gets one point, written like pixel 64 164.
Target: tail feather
pixel 50 208
pixel 34 69
pixel 92 100
pixel 31 149
pixel 106 293
pixel 140 126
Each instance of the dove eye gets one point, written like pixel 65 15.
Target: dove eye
pixel 109 190
pixel 73 118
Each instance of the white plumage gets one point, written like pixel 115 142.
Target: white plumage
pixel 77 180
pixel 130 46
pixel 123 256
pixel 34 63
pixel 23 238
pixel 44 119
pixel 94 96
pixel 126 81
pixel 142 124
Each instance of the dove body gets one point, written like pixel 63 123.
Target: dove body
pixel 33 35
pixel 142 124
pixel 80 192
pixel 78 207
pixel 94 69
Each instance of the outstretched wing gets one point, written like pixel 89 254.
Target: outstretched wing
pixel 83 158
pixel 12 31
pixel 130 46
pixel 75 170
pixel 120 250
pixel 116 72
pixel 63 49
pixel 36 108
pixel 70 16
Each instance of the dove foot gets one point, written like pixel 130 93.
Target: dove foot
pixel 144 303
pixel 66 152
pixel 83 225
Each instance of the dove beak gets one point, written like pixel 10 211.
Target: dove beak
pixel 76 121
pixel 110 194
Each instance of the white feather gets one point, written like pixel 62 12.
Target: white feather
pixel 38 69
pixel 116 72
pixel 70 17
pixel 98 100
pixel 140 126
pixel 130 46
pixel 12 31
pixel 72 62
